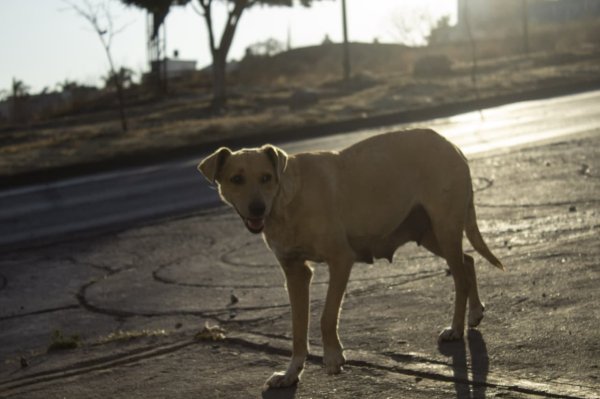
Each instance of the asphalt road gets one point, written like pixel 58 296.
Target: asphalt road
pixel 45 213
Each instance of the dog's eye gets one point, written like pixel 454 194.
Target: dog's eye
pixel 265 178
pixel 237 179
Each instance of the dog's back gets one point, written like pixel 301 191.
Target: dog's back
pixel 385 177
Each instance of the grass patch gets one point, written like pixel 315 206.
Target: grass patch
pixel 60 342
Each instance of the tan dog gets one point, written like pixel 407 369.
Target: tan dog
pixel 353 206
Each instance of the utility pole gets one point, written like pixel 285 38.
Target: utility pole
pixel 346 49
pixel 525 16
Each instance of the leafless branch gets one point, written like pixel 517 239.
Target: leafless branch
pixel 101 20
pixel 411 25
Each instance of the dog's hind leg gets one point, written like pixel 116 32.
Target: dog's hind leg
pixel 449 240
pixel 298 276
pixel 476 307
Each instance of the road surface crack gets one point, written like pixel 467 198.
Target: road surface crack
pixel 38 312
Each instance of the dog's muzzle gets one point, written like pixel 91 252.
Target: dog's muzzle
pixel 256 222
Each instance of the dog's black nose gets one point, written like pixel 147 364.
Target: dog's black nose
pixel 256 208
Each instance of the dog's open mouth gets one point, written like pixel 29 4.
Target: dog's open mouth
pixel 255 225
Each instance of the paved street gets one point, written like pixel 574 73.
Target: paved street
pixel 136 297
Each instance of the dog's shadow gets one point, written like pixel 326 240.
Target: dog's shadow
pixel 474 388
pixel 280 393
pixel 466 388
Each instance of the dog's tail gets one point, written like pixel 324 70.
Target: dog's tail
pixel 474 236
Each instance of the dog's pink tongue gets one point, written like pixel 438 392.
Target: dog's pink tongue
pixel 255 223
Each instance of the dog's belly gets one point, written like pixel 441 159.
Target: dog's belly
pixel 412 228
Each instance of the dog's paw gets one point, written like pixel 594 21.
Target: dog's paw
pixel 282 379
pixel 475 316
pixel 333 359
pixel 450 334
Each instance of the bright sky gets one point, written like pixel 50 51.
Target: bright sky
pixel 43 42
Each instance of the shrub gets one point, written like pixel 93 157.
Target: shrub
pixel 433 65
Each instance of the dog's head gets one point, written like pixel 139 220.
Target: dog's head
pixel 248 180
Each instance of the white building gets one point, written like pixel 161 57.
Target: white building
pixel 493 19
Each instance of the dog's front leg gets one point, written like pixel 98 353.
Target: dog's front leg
pixel 297 275
pixel 333 352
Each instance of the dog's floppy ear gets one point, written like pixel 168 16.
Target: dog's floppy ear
pixel 212 165
pixel 278 157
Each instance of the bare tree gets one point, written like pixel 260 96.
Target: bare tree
pixel 219 50
pixel 102 22
pixel 412 27
pixel 219 47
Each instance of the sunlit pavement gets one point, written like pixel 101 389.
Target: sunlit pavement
pixel 498 128
pixel 538 207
